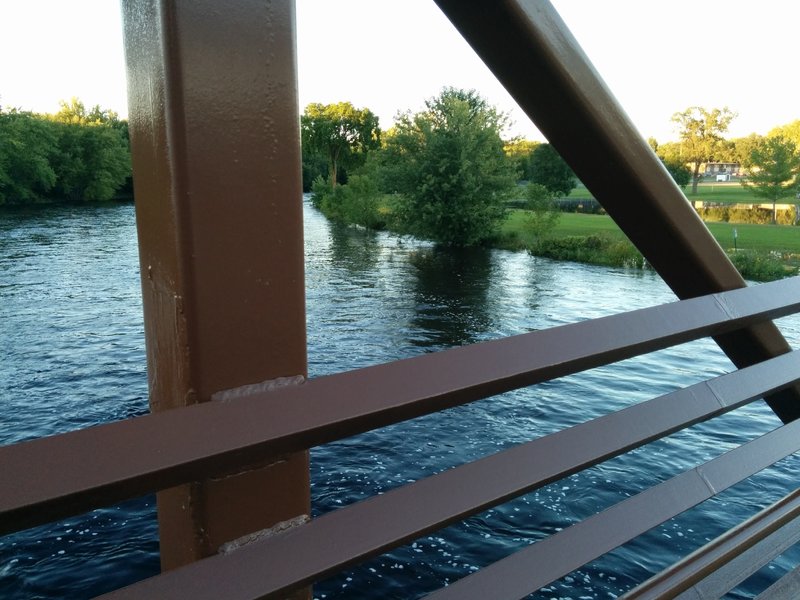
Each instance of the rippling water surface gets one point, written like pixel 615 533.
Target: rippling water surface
pixel 73 355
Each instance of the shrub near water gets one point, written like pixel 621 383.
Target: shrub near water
pixel 358 202
pixel 592 249
pixel 759 266
pixel 604 250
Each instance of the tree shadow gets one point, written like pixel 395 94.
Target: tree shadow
pixel 451 295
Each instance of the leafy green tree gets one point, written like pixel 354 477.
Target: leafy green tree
pixel 774 171
pixel 26 147
pixel 448 165
pixel 74 112
pixel 743 147
pixel 549 169
pixel 543 213
pixel 519 153
pixel 340 133
pixel 74 154
pixel 91 161
pixel 670 156
pixel 315 166
pixel 679 171
pixel 700 133
pixel 790 131
pixel 669 152
pixel 357 202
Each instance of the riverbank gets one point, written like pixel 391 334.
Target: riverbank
pixel 759 252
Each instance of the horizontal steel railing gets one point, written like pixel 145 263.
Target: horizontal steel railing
pixel 742 550
pixel 536 566
pixel 348 535
pixel 268 424
pixel 255 426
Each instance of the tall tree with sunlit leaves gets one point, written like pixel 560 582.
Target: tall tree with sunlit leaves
pixel 339 133
pixel 701 138
pixel 448 166
pixel 92 156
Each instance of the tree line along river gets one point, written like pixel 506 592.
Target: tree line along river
pixel 72 348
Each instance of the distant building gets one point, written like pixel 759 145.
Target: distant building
pixel 722 170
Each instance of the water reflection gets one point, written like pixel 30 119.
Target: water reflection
pixel 354 249
pixel 450 288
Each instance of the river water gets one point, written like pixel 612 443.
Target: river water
pixel 72 347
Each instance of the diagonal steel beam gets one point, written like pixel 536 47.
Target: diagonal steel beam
pixel 533 54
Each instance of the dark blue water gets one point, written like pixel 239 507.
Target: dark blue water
pixel 72 350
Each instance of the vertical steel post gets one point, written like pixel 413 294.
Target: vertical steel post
pixel 215 145
pixel 533 54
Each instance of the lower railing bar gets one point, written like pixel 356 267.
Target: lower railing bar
pixel 365 529
pixel 758 540
pixel 109 463
pixel 740 568
pixel 530 569
pixel 786 588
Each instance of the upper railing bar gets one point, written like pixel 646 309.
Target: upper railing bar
pixel 157 451
pixel 759 539
pixel 528 570
pixel 350 534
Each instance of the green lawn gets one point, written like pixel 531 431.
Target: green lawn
pixel 727 192
pixel 765 238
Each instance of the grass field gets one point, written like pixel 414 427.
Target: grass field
pixel 764 238
pixel 726 192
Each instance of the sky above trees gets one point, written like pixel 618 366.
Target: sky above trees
pixel 391 55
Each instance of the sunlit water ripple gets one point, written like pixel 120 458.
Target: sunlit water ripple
pixel 73 356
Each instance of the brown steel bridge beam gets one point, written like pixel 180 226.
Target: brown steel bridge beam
pixel 533 54
pixel 215 146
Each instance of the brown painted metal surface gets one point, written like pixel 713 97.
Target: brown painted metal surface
pixel 350 534
pixel 537 565
pixel 144 455
pixel 767 532
pixel 533 54
pixel 215 150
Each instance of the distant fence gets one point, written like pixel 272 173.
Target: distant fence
pixel 580 205
pixel 572 205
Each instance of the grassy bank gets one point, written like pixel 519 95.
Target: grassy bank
pixel 761 253
pixel 762 238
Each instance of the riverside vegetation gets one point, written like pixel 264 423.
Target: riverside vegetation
pixel 445 174
pixel 74 155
